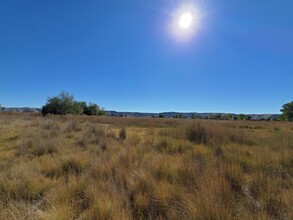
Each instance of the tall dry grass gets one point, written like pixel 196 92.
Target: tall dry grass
pixel 78 167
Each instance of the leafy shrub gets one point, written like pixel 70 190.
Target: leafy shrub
pixel 65 103
pixel 287 111
pixel 93 109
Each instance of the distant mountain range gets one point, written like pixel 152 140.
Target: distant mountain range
pixel 193 115
pixel 24 109
pixel 255 117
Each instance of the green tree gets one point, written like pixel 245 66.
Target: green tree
pixel 193 116
pixel 69 105
pixel 244 117
pixel 216 116
pixel 287 111
pixel 241 117
pixel 229 117
pixel 179 116
pixel 63 104
pixel 93 109
pixel 53 106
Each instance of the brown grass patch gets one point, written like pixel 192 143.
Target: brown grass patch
pixel 80 167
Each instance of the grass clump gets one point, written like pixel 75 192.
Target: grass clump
pixel 122 133
pixel 73 166
pixel 197 133
pixel 37 147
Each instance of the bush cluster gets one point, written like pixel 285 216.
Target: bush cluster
pixel 65 103
pixel 287 112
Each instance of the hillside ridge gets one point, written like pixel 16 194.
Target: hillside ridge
pixel 206 115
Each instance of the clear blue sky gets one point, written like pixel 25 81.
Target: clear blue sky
pixel 122 56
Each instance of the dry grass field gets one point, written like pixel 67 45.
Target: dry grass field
pixel 81 167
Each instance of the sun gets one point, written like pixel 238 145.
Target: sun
pixel 185 20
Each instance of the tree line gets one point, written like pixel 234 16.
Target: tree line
pixel 65 103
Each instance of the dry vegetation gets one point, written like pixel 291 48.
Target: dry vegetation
pixel 80 167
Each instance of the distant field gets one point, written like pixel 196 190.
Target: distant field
pixel 81 167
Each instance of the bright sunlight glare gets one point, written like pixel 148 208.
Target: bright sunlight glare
pixel 185 20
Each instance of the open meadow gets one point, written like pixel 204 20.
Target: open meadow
pixel 83 167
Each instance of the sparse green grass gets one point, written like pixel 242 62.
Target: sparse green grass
pixel 80 167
